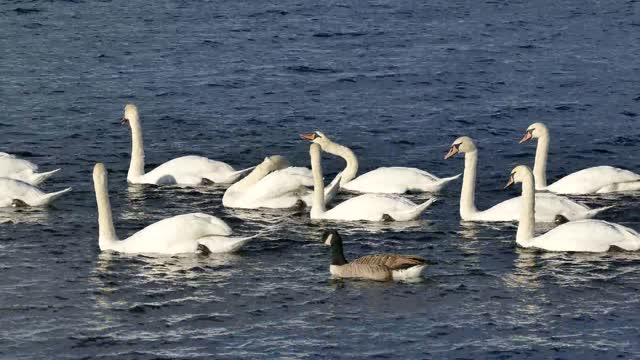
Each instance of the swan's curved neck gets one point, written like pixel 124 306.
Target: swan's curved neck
pixel 317 206
pixel 351 169
pixel 254 176
pixel 136 166
pixel 107 234
pixel 540 165
pixel 468 193
pixel 527 222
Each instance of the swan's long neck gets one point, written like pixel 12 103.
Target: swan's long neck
pixel 468 194
pixel 136 166
pixel 540 165
pixel 527 220
pixel 351 169
pixel 107 233
pixel 317 207
pixel 256 175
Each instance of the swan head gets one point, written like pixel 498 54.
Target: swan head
pixel 330 237
pixel 100 175
pixel 317 137
pixel 462 144
pixel 519 174
pixel 534 131
pixel 130 114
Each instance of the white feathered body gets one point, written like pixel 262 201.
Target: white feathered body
pixel 11 189
pixel 179 234
pixel 599 179
pixel 586 236
pixel 188 170
pixel 397 180
pixel 372 207
pixel 279 189
pixel 547 207
pixel 20 169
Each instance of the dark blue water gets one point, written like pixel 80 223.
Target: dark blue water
pixel 397 81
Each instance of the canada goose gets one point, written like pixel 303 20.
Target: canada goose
pixel 381 267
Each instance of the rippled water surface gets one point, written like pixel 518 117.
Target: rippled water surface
pixel 236 81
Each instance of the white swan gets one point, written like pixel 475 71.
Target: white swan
pixel 19 193
pixel 583 235
pixel 185 170
pixel 598 179
pixel 368 207
pixel 188 233
pixel 386 180
pixel 273 184
pixel 547 206
pixel 23 170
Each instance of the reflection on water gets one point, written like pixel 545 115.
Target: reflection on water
pixel 116 273
pixel 24 215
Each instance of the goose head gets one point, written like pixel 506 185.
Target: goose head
pixel 331 237
pixel 519 174
pixel 462 144
pixel 130 114
pixel 317 137
pixel 534 131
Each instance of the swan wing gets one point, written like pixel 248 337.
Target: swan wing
pixel 590 180
pixel 178 234
pixel 586 236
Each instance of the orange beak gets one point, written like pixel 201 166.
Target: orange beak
pixel 309 137
pixel 510 182
pixel 526 138
pixel 452 151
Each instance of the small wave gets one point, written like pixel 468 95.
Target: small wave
pixel 24 11
pixel 329 35
pixel 309 69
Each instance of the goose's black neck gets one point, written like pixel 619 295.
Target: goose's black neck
pixel 337 256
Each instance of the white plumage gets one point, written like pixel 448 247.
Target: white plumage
pixel 19 169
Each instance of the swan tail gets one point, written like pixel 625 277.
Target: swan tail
pixel 413 213
pixel 444 181
pixel 39 178
pixel 408 274
pixel 591 213
pixel 225 244
pixel 48 198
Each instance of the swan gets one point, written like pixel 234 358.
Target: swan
pixel 187 233
pixel 185 170
pixel 368 207
pixel 583 235
pixel 598 179
pixel 547 206
pixel 274 184
pixel 20 169
pixel 382 267
pixel 18 193
pixel 386 180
